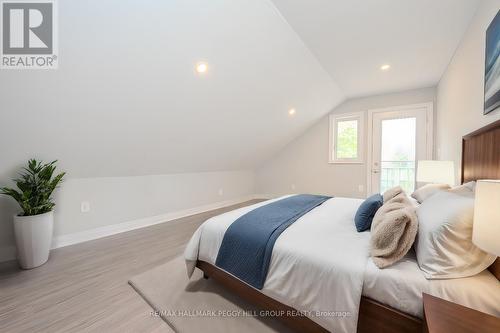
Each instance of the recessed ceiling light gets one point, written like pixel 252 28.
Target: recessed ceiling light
pixel 385 67
pixel 201 67
pixel 291 112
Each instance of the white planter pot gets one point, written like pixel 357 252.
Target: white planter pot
pixel 33 239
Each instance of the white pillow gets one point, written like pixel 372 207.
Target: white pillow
pixel 468 189
pixel 428 190
pixel 444 242
pixel 414 202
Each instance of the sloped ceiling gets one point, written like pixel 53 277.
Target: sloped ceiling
pixel 353 38
pixel 127 101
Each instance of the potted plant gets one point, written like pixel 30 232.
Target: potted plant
pixel 33 226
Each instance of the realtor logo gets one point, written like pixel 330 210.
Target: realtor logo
pixel 29 39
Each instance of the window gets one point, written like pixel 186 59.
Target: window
pixel 346 138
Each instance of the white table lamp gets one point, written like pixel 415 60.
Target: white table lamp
pixel 486 227
pixel 439 172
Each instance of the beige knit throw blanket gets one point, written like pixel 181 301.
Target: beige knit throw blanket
pixel 394 228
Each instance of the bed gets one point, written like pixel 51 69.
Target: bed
pixel 388 300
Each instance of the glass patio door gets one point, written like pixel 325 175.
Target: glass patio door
pixel 398 142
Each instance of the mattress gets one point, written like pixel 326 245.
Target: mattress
pixel 401 285
pixel 317 264
pixel 313 268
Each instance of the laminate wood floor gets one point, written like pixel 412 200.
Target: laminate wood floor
pixel 83 287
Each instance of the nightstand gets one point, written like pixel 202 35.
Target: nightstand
pixel 441 316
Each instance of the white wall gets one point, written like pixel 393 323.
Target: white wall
pixel 460 92
pixel 125 199
pixel 126 104
pixel 304 162
pixel 125 114
pixel 126 101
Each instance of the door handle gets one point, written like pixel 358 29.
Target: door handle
pixel 375 171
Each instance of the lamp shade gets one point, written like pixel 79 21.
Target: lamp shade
pixel 441 172
pixel 486 227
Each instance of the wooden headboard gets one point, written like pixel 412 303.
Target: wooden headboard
pixel 481 160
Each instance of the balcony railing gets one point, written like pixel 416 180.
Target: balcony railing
pixel 394 173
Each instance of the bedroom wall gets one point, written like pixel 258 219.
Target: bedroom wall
pixel 302 166
pixel 134 201
pixel 138 131
pixel 460 91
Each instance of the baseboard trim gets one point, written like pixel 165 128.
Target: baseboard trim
pixel 109 230
pixel 9 253
pixel 267 196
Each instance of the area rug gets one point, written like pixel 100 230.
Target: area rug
pixel 198 304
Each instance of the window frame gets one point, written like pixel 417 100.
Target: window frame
pixel 334 120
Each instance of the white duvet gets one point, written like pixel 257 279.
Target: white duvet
pixel 324 279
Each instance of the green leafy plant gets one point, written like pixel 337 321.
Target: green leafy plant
pixel 36 184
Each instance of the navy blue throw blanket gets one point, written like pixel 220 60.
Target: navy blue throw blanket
pixel 248 243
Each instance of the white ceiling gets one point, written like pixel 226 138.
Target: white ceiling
pixel 126 100
pixel 353 38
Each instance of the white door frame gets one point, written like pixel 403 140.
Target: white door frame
pixel 429 106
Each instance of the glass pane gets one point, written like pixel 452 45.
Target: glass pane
pixel 398 154
pixel 347 139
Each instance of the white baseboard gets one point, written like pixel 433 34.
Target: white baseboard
pixel 9 253
pixel 266 196
pixel 87 235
